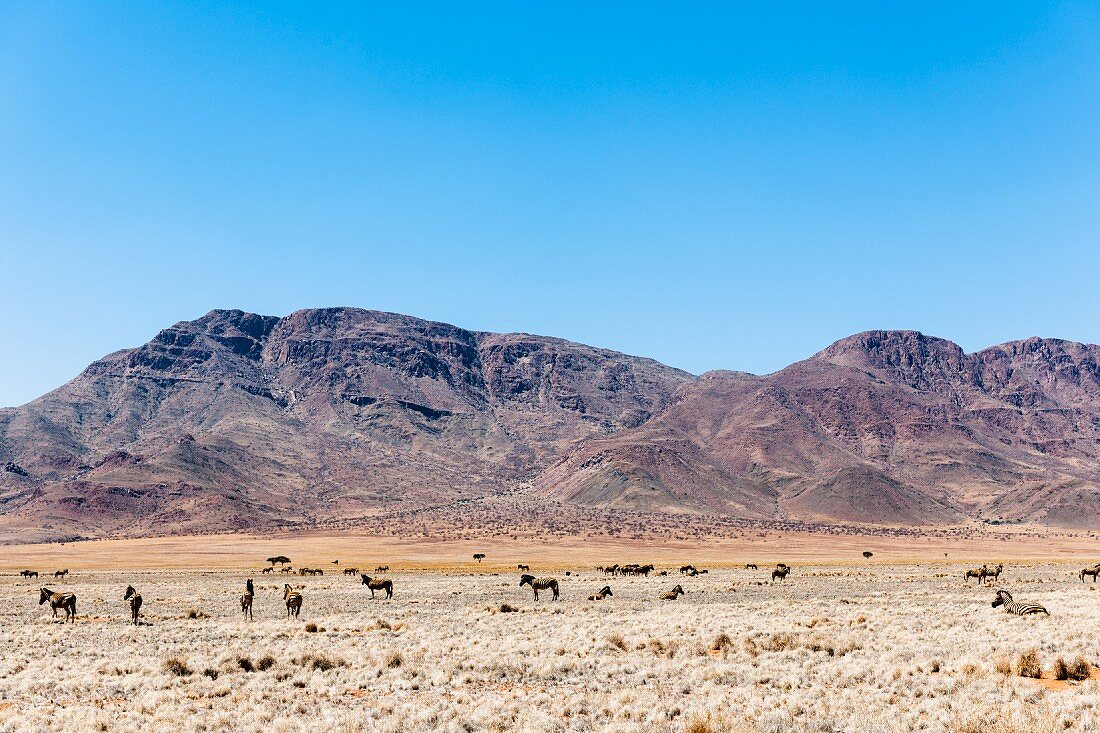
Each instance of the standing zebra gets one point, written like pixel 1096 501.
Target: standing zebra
pixel 980 574
pixel 538 584
pixel 135 603
pixel 378 584
pixel 781 572
pixel 246 600
pixel 66 601
pixel 1093 571
pixel 1004 598
pixel 293 601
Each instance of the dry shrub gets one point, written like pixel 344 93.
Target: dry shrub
pixel 779 642
pixel 211 673
pixel 195 613
pixel 1027 664
pixel 319 662
pixel 507 608
pixel 1079 670
pixel 394 660
pixel 245 664
pixel 177 666
pixel 311 628
pixel 265 663
pixel 721 643
pixel 1003 665
pixel 617 641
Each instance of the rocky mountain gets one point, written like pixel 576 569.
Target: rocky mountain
pixel 239 421
pixel 882 427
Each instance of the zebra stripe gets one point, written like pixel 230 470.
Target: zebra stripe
pixel 1004 598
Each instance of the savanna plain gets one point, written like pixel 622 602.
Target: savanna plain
pixel 854 645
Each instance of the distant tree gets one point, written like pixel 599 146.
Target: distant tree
pixel 280 559
pixel 479 556
pixel 867 553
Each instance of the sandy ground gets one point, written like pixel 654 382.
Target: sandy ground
pixel 558 553
pixel 855 647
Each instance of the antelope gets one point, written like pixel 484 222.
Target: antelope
pixel 66 601
pixel 293 601
pixel 672 595
pixel 1004 598
pixel 603 593
pixel 538 584
pixel 134 598
pixel 246 600
pixel 980 574
pixel 378 584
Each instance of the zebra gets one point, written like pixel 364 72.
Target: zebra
pixel 29 573
pixel 351 571
pixel 688 570
pixel 293 601
pixel 980 574
pixel 135 603
pixel 265 571
pixel 538 584
pixel 61 573
pixel 1093 571
pixel 673 594
pixel 781 572
pixel 521 566
pixel 66 601
pixel 1004 598
pixel 382 569
pixel 603 593
pixel 751 566
pixel 995 573
pixel 246 600
pixel 378 584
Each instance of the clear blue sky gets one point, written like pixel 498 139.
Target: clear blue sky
pixel 712 186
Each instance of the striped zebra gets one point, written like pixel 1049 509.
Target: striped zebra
pixel 673 594
pixel 1093 571
pixel 293 601
pixel 66 601
pixel 378 584
pixel 538 584
pixel 246 600
pixel 1004 598
pixel 603 593
pixel 135 603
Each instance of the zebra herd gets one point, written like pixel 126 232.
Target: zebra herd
pixel 294 599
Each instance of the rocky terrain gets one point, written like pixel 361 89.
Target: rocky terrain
pixel 238 421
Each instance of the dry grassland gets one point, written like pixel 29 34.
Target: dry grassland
pixel 856 647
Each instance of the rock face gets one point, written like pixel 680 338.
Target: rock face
pixel 889 427
pixel 239 421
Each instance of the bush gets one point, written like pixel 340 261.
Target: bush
pixel 319 662
pixel 311 628
pixel 394 660
pixel 507 608
pixel 617 641
pixel 1027 665
pixel 265 663
pixel 721 643
pixel 211 673
pixel 1003 666
pixel 177 666
pixel 1079 670
pixel 245 664
pixel 195 613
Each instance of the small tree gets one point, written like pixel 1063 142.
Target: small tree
pixel 280 559
pixel 867 554
pixel 479 556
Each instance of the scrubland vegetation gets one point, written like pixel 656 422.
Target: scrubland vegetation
pixel 862 648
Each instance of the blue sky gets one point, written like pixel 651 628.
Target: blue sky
pixel 714 186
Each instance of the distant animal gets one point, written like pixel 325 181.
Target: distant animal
pixel 672 595
pixel 66 601
pixel 29 573
pixel 781 573
pixel 335 562
pixel 751 566
pixel 688 570
pixel 610 569
pixel 267 570
pixel 978 573
pixel 134 598
pixel 479 556
pixel 246 600
pixel 538 584
pixel 868 554
pixel 636 570
pixel 995 573
pixel 1004 598
pixel 351 571
pixel 288 570
pixel 521 566
pixel 382 569
pixel 603 593
pixel 378 584
pixel 61 573
pixel 293 601
pixel 702 571
pixel 1093 571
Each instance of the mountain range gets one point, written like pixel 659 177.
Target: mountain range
pixel 237 421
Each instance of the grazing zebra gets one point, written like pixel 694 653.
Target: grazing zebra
pixel 979 573
pixel 293 601
pixel 378 584
pixel 382 569
pixel 265 571
pixel 995 573
pixel 351 571
pixel 521 566
pixel 66 601
pixel 781 572
pixel 688 570
pixel 1093 571
pixel 61 573
pixel 538 584
pixel 751 566
pixel 246 600
pixel 672 595
pixel 29 573
pixel 135 603
pixel 603 593
pixel 1004 598
pixel 636 570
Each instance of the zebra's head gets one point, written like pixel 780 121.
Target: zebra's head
pixel 526 580
pixel 44 595
pixel 606 591
pixel 129 592
pixel 1003 596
